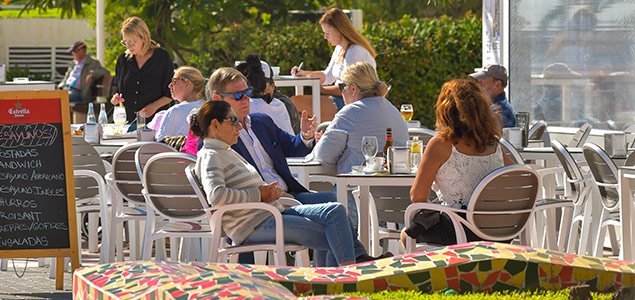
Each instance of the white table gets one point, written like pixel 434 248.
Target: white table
pixel 365 181
pixel 110 146
pixel 304 170
pixel 626 175
pixel 299 83
pixel 27 86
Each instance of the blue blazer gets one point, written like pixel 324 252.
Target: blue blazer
pixel 279 145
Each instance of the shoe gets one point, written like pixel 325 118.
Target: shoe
pixel 365 257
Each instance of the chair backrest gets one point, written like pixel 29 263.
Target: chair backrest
pixel 537 130
pixel 125 176
pixel 630 160
pixel 604 173
pixel 195 182
pixel 580 136
pixel 571 169
pixel 85 157
pixel 322 127
pixel 146 151
pixel 424 134
pixel 503 201
pixel 167 188
pixel 511 152
pixel 391 202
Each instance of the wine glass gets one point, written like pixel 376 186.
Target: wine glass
pixel 406 112
pixel 369 147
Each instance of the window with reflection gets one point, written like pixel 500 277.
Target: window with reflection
pixel 572 62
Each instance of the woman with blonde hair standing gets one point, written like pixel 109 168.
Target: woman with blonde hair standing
pixel 350 47
pixel 186 87
pixel 462 153
pixel 143 72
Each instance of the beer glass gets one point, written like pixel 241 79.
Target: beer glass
pixel 406 112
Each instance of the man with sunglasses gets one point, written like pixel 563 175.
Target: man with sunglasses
pixel 263 144
pixel 82 72
pixel 266 147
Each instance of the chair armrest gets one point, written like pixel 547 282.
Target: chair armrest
pixel 217 213
pixel 101 185
pixel 289 201
pixel 450 211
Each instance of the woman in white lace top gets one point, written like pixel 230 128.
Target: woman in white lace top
pixel 462 153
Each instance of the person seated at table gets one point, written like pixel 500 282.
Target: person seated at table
pixel 463 152
pixel 367 113
pixel 228 178
pixel 260 77
pixel 186 87
pixel 263 144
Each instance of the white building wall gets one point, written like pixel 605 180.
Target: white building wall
pixel 46 32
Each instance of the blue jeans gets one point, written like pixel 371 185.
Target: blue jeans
pixel 74 95
pixel 315 198
pixel 323 227
pixel 339 102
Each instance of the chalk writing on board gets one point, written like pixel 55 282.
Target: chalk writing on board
pixel 27 135
pixel 33 210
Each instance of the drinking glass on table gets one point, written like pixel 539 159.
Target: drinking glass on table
pixel 406 112
pixel 119 115
pixel 369 147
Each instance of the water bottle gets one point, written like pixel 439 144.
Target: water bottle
pixel 103 118
pixel 90 116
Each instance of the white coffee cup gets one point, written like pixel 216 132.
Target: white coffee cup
pixel 375 163
pixel 276 71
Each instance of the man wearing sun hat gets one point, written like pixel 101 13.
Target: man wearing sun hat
pixel 82 72
pixel 493 79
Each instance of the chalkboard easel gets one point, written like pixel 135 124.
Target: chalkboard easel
pixel 37 191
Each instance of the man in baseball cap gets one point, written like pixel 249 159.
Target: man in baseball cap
pixel 81 74
pixel 493 79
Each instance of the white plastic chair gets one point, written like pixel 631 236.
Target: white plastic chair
pixel 499 209
pixel 125 184
pixel 538 133
pixel 170 197
pixel 91 195
pixel 604 173
pixel 580 137
pixel 219 249
pixel 575 237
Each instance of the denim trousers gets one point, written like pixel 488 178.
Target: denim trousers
pixel 339 102
pixel 323 227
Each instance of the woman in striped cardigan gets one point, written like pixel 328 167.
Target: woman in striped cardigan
pixel 228 178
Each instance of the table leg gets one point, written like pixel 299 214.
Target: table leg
pixel 626 251
pixel 342 186
pixel 315 95
pixel 363 210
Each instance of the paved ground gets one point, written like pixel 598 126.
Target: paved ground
pixel 34 284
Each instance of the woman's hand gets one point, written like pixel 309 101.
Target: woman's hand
pixel 149 110
pixel 270 192
pixel 116 99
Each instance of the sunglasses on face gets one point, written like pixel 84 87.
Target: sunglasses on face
pixel 234 120
pixel 129 43
pixel 238 95
pixel 342 86
pixel 176 79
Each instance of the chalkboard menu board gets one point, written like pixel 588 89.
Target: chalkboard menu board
pixel 37 198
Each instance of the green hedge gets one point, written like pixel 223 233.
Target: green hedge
pixel 415 55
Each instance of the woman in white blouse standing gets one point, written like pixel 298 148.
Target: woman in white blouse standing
pixel 350 47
